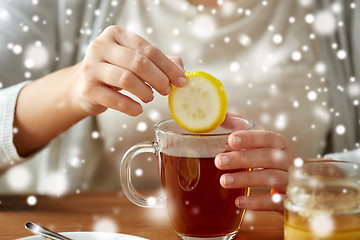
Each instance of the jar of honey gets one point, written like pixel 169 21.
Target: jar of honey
pixel 323 201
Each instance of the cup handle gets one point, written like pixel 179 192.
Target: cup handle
pixel 125 177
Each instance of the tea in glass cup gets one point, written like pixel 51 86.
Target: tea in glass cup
pixel 198 206
pixel 323 201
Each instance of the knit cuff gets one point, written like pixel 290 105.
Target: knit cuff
pixel 8 98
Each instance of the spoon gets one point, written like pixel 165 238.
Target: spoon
pixel 45 232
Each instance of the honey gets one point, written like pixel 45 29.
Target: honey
pixel 322 226
pixel 323 201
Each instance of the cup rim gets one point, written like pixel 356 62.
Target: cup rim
pixel 158 128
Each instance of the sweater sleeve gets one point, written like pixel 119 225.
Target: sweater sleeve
pixel 350 156
pixel 8 98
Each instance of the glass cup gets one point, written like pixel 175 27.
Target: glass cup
pixel 323 201
pixel 198 206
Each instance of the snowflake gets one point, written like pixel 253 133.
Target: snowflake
pixel 203 26
pixel 27 75
pixel 176 48
pixel 154 115
pixel 75 162
pixel 68 12
pixel 234 66
pixel 281 121
pixel 296 104
pixel 142 126
pixel 18 178
pixel 340 129
pixel 248 12
pixel 354 90
pixel 320 68
pixel 227 8
pixel 306 3
pixel 151 201
pixel 309 18
pixel 31 200
pixel 29 63
pixel 4 15
pixel 341 54
pixel 322 224
pixel 244 40
pixel 296 56
pixel 114 3
pixel 95 134
pixel 325 23
pixel 36 56
pixel 105 224
pixel 139 172
pixel 97 12
pixel 149 30
pixel 200 8
pixel 57 183
pixel 277 39
pixel 292 20
pixel 17 49
pixel 276 198
pixel 35 18
pixel 176 31
pixel 312 95
pixel 336 7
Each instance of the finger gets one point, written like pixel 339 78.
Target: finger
pixel 259 178
pixel 233 123
pixel 253 158
pixel 178 61
pixel 273 202
pixel 257 139
pixel 133 41
pixel 139 65
pixel 110 98
pixel 122 79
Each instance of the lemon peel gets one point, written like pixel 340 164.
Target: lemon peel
pixel 201 105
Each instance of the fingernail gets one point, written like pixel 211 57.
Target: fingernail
pixel 223 160
pixel 181 81
pixel 240 202
pixel 226 180
pixel 151 98
pixel 236 140
pixel 168 91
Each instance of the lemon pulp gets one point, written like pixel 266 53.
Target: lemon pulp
pixel 200 106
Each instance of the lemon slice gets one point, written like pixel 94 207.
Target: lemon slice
pixel 200 106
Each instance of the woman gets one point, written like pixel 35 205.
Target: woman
pixel 260 50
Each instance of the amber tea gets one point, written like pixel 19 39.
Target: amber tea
pixel 198 205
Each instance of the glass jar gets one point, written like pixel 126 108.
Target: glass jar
pixel 323 201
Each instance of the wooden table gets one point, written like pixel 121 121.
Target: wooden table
pixel 81 212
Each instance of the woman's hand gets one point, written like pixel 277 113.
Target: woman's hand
pixel 121 60
pixel 116 60
pixel 266 152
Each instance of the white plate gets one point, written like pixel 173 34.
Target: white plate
pixel 90 236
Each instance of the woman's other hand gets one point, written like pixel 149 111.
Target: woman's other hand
pixel 269 155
